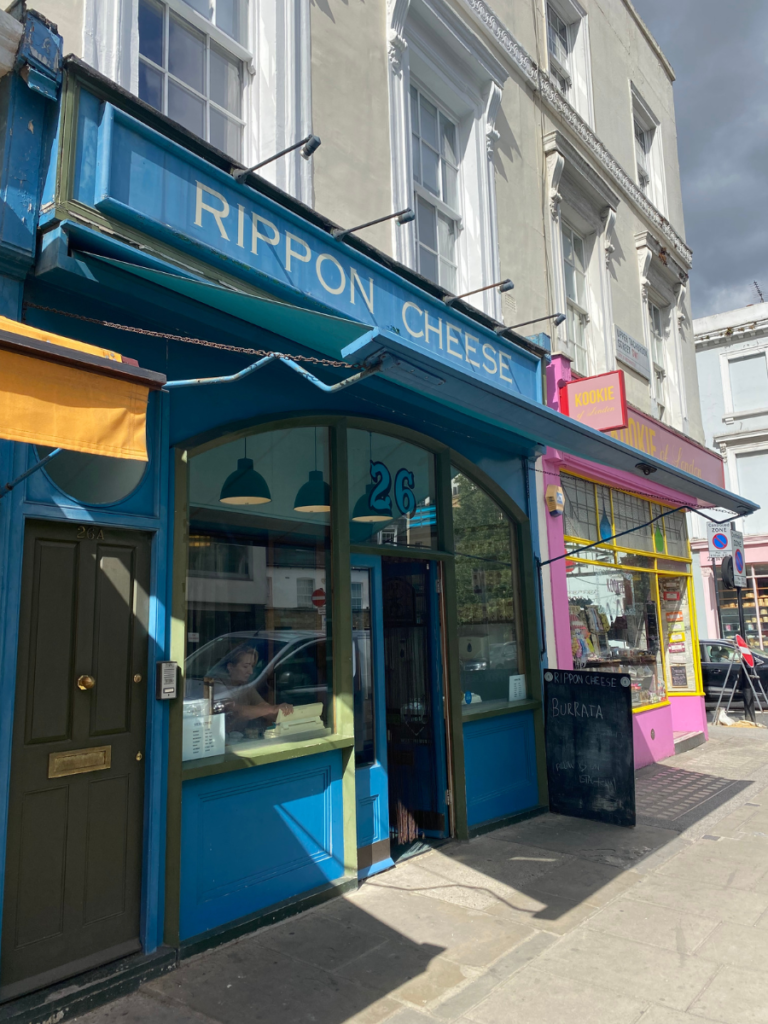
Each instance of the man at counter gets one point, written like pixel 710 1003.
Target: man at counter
pixel 243 704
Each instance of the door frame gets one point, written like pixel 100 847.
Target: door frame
pixel 373 563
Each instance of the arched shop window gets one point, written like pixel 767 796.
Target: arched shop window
pixel 258 668
pixel 391 491
pixel 628 598
pixel 492 674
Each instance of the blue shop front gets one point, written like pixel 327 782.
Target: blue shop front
pixel 331 539
pixel 302 638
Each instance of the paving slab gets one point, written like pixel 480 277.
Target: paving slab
pixel 735 996
pixel 711 901
pixel 536 996
pixel 739 945
pixel 679 931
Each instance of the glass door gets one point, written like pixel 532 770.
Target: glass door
pixel 370 717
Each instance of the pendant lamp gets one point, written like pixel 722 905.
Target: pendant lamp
pixel 245 486
pixel 363 513
pixel 315 494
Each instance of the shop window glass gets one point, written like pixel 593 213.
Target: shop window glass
pixel 258 671
pixel 631 513
pixel 391 492
pixel 492 673
pixel 677 633
pixel 579 517
pixel 615 626
pixel 676 531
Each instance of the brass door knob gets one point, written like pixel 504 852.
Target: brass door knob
pixel 85 682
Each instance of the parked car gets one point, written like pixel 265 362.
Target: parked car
pixel 716 657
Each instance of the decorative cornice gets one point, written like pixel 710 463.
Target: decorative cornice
pixel 556 102
pixel 577 167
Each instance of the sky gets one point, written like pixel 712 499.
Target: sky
pixel 719 52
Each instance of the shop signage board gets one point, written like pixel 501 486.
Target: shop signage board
pixel 632 353
pixel 148 181
pixel 719 540
pixel 598 402
pixel 647 435
pixel 590 752
pixel 739 559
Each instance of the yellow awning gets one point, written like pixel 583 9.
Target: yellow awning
pixel 62 393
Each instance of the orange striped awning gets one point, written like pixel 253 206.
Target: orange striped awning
pixel 62 393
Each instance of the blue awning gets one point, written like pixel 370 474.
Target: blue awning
pixel 504 411
pixel 536 422
pixel 328 334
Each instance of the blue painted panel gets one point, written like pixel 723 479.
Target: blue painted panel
pixel 144 179
pixel 255 837
pixel 500 766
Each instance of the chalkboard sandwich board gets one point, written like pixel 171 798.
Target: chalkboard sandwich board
pixel 590 755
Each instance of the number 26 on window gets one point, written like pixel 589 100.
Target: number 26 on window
pixel 379 498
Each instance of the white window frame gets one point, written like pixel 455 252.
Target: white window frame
pixel 277 103
pixel 575 309
pixel 304 593
pixel 454 67
pixel 576 70
pixel 438 202
pixel 731 356
pixel 211 34
pixel 658 350
pixel 645 121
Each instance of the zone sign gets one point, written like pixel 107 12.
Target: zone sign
pixel 719 540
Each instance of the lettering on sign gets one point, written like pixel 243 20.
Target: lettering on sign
pixel 588 743
pixel 598 402
pixel 632 353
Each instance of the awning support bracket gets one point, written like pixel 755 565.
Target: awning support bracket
pixel 32 469
pixel 368 371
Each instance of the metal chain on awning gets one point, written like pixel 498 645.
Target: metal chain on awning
pixel 316 360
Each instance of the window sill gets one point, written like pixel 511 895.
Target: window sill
pixel 261 752
pixel 651 707
pixel 494 708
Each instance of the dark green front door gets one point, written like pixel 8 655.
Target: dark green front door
pixel 73 862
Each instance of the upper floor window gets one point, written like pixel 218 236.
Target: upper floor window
pixel 657 334
pixel 435 159
pixel 748 379
pixel 559 46
pixel 658 323
pixel 643 140
pixel 649 164
pixel 191 76
pixel 575 271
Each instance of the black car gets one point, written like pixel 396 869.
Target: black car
pixel 716 657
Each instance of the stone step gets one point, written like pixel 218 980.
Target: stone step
pixel 688 740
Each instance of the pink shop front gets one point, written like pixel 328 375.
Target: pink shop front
pixel 627 603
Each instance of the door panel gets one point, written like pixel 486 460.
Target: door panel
pixel 414 703
pixel 73 865
pixel 50 695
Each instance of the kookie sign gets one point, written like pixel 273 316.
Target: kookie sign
pixel 598 402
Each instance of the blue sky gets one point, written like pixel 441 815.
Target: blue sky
pixel 719 52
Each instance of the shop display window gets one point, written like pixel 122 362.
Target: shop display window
pixel 492 674
pixel 615 626
pixel 258 667
pixel 391 492
pixel 633 617
pixel 362 668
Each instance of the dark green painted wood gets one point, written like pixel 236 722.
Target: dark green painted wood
pixel 73 869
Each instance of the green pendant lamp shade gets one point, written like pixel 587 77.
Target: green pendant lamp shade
pixel 245 486
pixel 363 513
pixel 314 495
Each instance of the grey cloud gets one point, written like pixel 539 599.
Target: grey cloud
pixel 719 51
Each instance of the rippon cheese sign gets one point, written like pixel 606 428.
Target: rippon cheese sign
pixel 140 177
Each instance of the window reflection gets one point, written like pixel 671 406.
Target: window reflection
pixel 489 652
pixel 615 626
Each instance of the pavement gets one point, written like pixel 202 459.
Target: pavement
pixel 551 921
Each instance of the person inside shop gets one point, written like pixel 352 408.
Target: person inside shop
pixel 243 705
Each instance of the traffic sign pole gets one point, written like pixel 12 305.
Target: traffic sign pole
pixel 747 690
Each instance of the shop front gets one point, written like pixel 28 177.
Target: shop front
pixel 623 597
pixel 333 538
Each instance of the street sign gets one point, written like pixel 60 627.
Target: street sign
pixel 318 598
pixel 744 650
pixel 719 540
pixel 739 559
